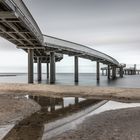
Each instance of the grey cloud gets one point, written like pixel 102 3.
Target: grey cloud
pixel 108 23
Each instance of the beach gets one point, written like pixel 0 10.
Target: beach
pixel 15 108
pixel 109 93
pixel 109 125
pixel 122 124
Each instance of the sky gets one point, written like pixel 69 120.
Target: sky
pixel 110 26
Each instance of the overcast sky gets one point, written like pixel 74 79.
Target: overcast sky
pixel 110 26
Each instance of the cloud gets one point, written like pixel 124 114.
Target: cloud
pixel 7 46
pixel 111 26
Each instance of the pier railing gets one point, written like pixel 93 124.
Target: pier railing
pixel 70 46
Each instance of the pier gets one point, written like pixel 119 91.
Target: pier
pixel 132 71
pixel 111 72
pixel 19 27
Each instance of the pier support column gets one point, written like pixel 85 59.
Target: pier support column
pixel 113 72
pixel 102 72
pixel 52 67
pixel 52 104
pixel 108 75
pixel 98 71
pixel 76 73
pixel 106 72
pixel 121 72
pixel 39 69
pixel 30 65
pixel 47 70
pixel 76 100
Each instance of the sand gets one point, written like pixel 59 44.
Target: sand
pixel 122 124
pixel 126 94
pixel 13 109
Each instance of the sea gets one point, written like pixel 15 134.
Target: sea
pixel 85 79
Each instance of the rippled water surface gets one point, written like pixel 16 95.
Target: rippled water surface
pixel 68 79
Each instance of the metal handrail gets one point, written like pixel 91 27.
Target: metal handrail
pixel 78 47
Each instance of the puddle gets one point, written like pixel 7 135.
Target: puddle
pixel 4 129
pixel 58 115
pixel 53 109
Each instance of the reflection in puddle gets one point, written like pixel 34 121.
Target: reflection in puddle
pixel 58 115
pixel 5 128
pixel 32 128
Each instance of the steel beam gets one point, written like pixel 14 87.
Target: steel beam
pixel 30 66
pixel 39 69
pixel 20 34
pixel 7 14
pixel 33 47
pixel 52 67
pixel 11 35
pixel 98 71
pixel 76 74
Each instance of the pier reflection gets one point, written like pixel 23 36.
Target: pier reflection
pixel 52 109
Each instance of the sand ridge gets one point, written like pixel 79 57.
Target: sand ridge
pixel 81 91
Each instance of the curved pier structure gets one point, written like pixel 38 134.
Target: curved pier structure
pixel 19 27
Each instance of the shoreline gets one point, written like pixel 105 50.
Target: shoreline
pixel 105 93
pixel 21 108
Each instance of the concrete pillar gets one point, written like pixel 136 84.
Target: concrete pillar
pixel 121 72
pixel 106 72
pixel 52 104
pixel 76 100
pixel 108 75
pixel 102 72
pixel 39 69
pixel 76 73
pixel 125 72
pixel 47 70
pixel 30 65
pixel 63 103
pixel 135 67
pixel 98 71
pixel 52 67
pixel 113 72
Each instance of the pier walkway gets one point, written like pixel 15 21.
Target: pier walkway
pixel 19 27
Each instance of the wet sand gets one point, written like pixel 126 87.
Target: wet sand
pixel 13 109
pixel 122 124
pixel 126 94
